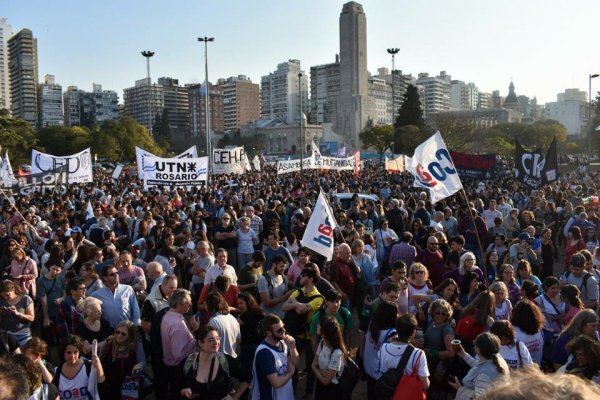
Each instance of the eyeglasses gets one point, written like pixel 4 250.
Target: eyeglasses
pixel 441 313
pixel 280 330
pixel 81 288
pixel 112 274
pixel 120 333
pixel 419 272
pixel 225 219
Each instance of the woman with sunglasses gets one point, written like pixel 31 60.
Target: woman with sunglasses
pixel 418 284
pixel 121 355
pixel 24 271
pixel 208 373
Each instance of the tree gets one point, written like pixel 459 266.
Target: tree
pixel 460 134
pixel 116 140
pixel 379 138
pixel 17 137
pixel 538 134
pixel 410 112
pixel 63 140
pixel 407 138
pixel 161 129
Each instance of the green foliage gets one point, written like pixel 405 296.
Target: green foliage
pixel 62 140
pixel 18 138
pixel 460 134
pixel 161 129
pixel 538 134
pixel 407 138
pixel 410 112
pixel 116 140
pixel 378 138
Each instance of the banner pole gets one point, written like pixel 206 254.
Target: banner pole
pixel 483 268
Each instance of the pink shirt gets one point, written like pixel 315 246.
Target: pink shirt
pixel 177 340
pixel 294 272
pixel 27 270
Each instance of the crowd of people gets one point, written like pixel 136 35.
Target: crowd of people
pixel 209 293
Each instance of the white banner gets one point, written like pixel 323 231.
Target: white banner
pixel 256 163
pixel 229 161
pixel 318 235
pixel 318 162
pixel 141 154
pixel 79 166
pixel 397 164
pixel 175 171
pixel 6 172
pixel 433 169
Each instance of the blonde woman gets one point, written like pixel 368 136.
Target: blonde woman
pixel 503 308
pixel 418 284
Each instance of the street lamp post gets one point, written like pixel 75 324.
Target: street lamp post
pixel 393 51
pixel 206 39
pixel 148 54
pixel 592 76
pixel 301 132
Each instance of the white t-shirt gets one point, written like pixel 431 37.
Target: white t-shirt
pixel 534 343
pixel 329 359
pixel 391 353
pixel 511 355
pixel 215 270
pixel 229 330
pixel 503 312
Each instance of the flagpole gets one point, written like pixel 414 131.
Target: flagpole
pixel 476 235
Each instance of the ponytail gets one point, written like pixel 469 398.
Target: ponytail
pixel 497 363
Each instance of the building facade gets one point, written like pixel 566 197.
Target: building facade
pixel 570 109
pixel 241 102
pixel 279 92
pixel 324 91
pixel 381 93
pixel 177 107
pixel 463 96
pixel 144 102
pixel 50 103
pixel 434 92
pixel 197 113
pixel 279 137
pixel 6 33
pixel 400 82
pixel 23 76
pixel 84 108
pixel 483 118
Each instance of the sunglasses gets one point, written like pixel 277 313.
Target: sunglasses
pixel 120 333
pixel 441 313
pixel 112 274
pixel 419 272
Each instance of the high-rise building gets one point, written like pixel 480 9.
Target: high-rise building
pixel 324 92
pixel 23 72
pixel 381 93
pixel 176 107
pixel 570 109
pixel 279 92
pixel 6 33
pixel 484 100
pixel 241 101
pixel 435 93
pixel 144 101
pixel 82 108
pixel 400 83
pixel 355 108
pixel 50 106
pixel 463 96
pixel 198 110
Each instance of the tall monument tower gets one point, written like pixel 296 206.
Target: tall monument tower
pixel 354 105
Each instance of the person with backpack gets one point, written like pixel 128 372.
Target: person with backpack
pixel 273 288
pixel 585 282
pixel 329 360
pixel 332 307
pixel 209 374
pixel 514 352
pixel 404 367
pixel 299 310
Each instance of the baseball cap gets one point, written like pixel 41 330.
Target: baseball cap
pixel 524 236
pixel 75 229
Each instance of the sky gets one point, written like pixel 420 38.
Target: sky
pixel 544 46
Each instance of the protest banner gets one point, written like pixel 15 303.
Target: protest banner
pixel 141 154
pixel 79 166
pixel 229 161
pixel 49 182
pixel 532 168
pixel 474 166
pixel 178 172
pixel 323 162
pixel 318 235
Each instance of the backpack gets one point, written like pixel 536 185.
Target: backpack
pixel 297 324
pixel 393 384
pixel 86 363
pixel 468 329
pixel 586 277
pixel 270 282
pixel 155 335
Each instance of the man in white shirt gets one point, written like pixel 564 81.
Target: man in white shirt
pixel 220 268
pixel 491 213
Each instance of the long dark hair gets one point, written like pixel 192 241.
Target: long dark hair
pixel 527 316
pixel 384 317
pixel 332 334
pixel 489 347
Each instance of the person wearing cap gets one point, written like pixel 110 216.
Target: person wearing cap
pixel 522 250
pixel 578 276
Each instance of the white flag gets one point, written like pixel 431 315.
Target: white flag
pixel 256 163
pixel 246 162
pixel 89 211
pixel 397 164
pixel 316 153
pixel 318 235
pixel 433 169
pixel 6 172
